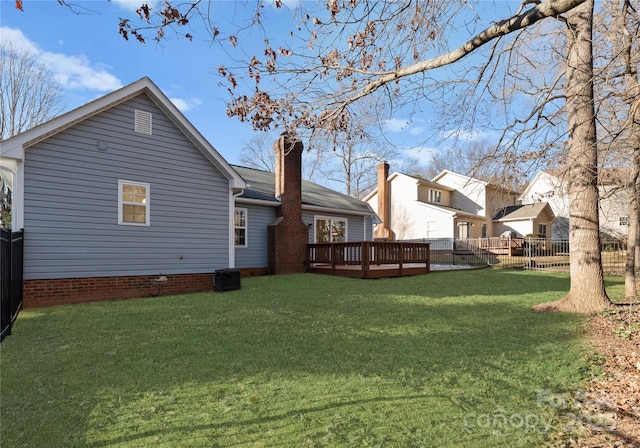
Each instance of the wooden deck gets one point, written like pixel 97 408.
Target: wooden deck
pixel 369 259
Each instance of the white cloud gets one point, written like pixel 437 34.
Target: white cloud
pixel 77 72
pixel 467 136
pixel 422 154
pixel 185 105
pixel 395 124
pixel 416 130
pixel 131 5
pixel 74 72
pixel 413 127
pixel 17 38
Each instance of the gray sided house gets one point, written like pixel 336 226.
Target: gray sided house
pixel 116 194
pixel 123 198
pixel 329 216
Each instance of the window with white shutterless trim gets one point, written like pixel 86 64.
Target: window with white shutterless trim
pixel 240 227
pixel 330 229
pixel 142 122
pixel 134 207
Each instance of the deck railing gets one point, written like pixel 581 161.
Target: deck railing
pixel 369 253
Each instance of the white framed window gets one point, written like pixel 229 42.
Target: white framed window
pixel 240 227
pixel 624 220
pixel 435 196
pixel 143 122
pixel 330 229
pixel 134 205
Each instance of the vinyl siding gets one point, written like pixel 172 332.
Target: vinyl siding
pixel 521 228
pixel 255 255
pixel 71 201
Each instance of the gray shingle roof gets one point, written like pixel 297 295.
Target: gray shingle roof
pixel 520 211
pixel 262 187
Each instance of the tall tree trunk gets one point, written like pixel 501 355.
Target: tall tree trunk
pixel 587 293
pixel 632 84
pixel 634 210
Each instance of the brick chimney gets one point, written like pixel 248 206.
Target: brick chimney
pixel 383 230
pixel 288 235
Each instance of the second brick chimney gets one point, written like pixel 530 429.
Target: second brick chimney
pixel 383 230
pixel 288 235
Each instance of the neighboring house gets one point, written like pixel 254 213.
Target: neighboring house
pixel 449 206
pixel 122 192
pixel 551 186
pixel 524 220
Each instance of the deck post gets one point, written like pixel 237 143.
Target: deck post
pixel 334 254
pixel 401 257
pixel 364 257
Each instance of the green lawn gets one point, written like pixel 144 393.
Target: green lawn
pixel 299 361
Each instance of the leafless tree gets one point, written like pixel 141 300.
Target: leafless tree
pixel 352 163
pixel 29 94
pixel 345 160
pixel 352 155
pixel 480 160
pixel 413 167
pixel 258 153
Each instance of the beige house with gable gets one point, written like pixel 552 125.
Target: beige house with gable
pixel 450 205
pixel 550 186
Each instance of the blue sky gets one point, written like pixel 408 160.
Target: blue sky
pixel 91 59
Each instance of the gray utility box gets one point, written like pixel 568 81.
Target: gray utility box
pixel 227 279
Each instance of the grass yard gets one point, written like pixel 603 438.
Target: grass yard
pixel 445 359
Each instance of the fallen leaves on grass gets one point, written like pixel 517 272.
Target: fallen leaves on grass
pixel 615 336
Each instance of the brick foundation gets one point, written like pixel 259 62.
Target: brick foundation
pixel 48 292
pixel 253 272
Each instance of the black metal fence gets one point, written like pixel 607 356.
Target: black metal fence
pixel 11 256
pixel 520 253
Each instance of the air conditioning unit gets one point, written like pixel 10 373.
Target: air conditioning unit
pixel 227 279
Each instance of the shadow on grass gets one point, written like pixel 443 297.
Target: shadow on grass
pixel 487 282
pixel 188 429
pixel 462 342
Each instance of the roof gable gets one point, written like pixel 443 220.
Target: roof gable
pixel 445 173
pixel 14 147
pixel 420 181
pixel 469 180
pixel 521 212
